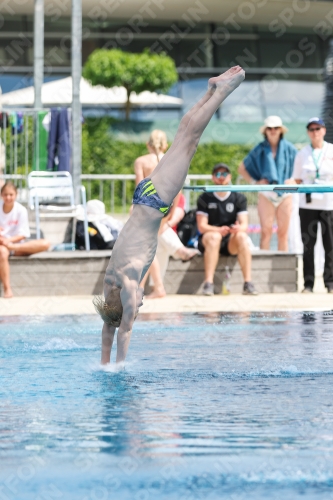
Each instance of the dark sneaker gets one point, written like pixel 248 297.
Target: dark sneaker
pixel 248 288
pixel 307 290
pixel 329 289
pixel 208 288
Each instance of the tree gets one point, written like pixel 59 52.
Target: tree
pixel 135 72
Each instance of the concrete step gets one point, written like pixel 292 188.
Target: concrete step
pixel 82 273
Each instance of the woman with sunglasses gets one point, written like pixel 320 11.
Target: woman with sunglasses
pixel 271 162
pixel 314 165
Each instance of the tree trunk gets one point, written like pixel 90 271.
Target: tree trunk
pixel 128 105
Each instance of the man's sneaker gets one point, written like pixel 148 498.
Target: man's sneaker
pixel 248 288
pixel 208 288
pixel 307 289
pixel 329 289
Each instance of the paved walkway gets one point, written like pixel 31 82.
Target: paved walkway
pixel 32 306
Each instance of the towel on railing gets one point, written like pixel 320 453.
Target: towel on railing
pixel 261 164
pixel 59 145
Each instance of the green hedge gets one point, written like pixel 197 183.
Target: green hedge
pixel 102 154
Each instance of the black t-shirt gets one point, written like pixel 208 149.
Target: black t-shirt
pixel 222 212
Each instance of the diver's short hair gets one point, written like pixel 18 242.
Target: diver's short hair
pixel 111 315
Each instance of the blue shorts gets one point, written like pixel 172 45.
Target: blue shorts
pixel 146 194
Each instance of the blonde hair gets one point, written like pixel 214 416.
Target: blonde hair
pixel 158 142
pixel 110 314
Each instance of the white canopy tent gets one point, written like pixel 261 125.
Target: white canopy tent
pixel 59 93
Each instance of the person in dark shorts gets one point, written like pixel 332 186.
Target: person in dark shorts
pixel 222 221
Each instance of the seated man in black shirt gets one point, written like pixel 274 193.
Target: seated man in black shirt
pixel 222 221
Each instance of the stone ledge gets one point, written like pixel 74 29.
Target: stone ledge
pixel 82 273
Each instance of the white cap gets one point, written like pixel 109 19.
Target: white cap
pixel 95 211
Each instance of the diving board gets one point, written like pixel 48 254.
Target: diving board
pixel 254 188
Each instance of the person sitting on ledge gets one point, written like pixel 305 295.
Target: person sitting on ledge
pixel 135 248
pixel 14 231
pixel 222 221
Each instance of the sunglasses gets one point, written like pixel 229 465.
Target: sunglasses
pixel 314 129
pixel 221 174
pixel 273 128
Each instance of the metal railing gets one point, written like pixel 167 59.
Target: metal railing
pixel 116 191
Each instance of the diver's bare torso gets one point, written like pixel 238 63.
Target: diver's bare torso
pixel 135 247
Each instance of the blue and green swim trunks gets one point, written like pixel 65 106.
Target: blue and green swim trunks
pixel 146 194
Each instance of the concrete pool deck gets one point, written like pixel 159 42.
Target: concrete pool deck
pixel 60 305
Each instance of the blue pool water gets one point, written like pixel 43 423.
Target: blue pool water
pixel 210 406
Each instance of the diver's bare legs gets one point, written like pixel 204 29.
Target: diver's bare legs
pixel 187 117
pixel 170 174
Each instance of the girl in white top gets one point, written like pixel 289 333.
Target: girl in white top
pixel 314 165
pixel 14 229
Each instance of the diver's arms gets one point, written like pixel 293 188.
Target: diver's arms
pixel 107 341
pixel 128 300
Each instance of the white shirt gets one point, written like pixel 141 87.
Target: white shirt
pixel 16 222
pixel 305 169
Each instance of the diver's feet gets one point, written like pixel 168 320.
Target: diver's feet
pixel 8 294
pixel 228 81
pixel 157 293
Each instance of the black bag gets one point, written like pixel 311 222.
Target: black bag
pixel 187 228
pixel 96 239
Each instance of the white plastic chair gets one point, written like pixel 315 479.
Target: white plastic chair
pixel 52 194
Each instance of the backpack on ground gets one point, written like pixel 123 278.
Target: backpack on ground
pixel 96 239
pixel 187 229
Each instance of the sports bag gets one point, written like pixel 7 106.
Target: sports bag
pixel 187 229
pixel 97 241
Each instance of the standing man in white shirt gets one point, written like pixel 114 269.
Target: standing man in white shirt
pixel 14 229
pixel 314 165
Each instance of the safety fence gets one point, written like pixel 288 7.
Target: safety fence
pixel 116 190
pixel 23 147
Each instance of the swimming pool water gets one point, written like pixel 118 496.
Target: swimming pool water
pixel 209 406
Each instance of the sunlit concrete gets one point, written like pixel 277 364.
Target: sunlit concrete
pixel 35 306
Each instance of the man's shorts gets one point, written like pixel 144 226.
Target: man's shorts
pixel 223 248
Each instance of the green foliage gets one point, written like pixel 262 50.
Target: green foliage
pixel 208 155
pixel 102 154
pixel 17 154
pixel 135 72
